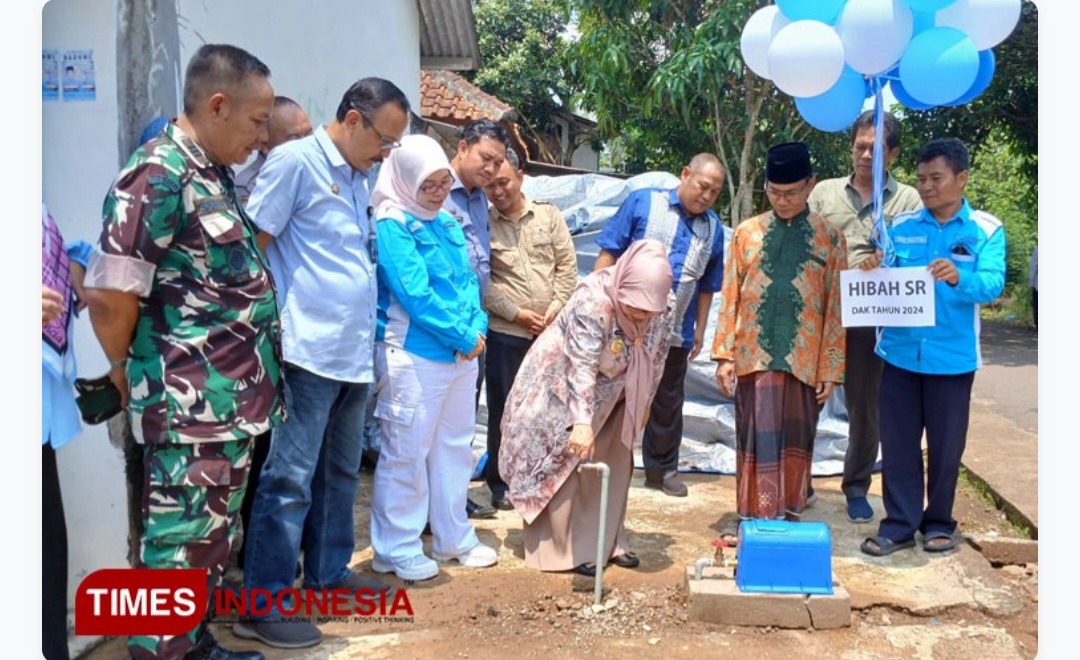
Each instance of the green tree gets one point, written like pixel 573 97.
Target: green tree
pixel 667 77
pixel 522 56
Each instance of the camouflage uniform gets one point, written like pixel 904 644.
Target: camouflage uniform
pixel 204 367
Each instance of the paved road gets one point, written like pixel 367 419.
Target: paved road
pixel 1003 438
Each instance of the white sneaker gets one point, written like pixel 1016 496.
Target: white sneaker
pixel 480 556
pixel 415 568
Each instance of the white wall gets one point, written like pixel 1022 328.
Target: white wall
pixel 585 158
pixel 79 161
pixel 315 50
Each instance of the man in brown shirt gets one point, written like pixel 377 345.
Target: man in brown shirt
pixel 847 203
pixel 533 272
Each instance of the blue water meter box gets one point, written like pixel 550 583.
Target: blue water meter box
pixel 776 556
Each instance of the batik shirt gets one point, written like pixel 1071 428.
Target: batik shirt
pixel 204 363
pixel 780 307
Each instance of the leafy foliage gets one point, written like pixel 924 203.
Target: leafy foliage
pixel 523 55
pixel 666 78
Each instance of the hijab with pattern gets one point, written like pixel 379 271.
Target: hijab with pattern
pixel 641 278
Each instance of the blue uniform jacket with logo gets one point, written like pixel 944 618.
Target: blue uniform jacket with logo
pixel 975 242
pixel 429 296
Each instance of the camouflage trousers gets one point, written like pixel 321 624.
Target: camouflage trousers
pixel 191 496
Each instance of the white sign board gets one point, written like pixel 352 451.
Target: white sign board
pixel 898 297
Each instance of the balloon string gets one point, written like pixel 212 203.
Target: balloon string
pixel 879 235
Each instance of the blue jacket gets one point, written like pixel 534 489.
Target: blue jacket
pixel 975 241
pixel 429 296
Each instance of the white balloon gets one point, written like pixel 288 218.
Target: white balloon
pixel 875 33
pixel 806 58
pixel 757 34
pixel 987 22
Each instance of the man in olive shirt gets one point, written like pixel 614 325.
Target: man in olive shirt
pixel 847 203
pixel 533 272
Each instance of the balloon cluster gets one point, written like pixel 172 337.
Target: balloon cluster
pixel 830 55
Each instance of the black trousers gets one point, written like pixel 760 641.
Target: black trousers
pixel 910 403
pixel 54 561
pixel 862 390
pixel 663 433
pixel 505 354
pixel 260 449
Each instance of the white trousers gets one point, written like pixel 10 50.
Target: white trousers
pixel 427 415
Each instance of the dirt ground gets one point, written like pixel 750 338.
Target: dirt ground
pixel 512 611
pixel 509 610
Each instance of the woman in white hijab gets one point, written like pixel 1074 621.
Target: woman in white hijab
pixel 430 331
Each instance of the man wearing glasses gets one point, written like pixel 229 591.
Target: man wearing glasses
pixel 847 203
pixel 310 203
pixel 779 335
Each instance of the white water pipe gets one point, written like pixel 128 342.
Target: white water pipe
pixel 601 558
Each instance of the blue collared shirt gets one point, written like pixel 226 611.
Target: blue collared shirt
pixel 316 207
pixel 695 248
pixel 975 242
pixel 472 212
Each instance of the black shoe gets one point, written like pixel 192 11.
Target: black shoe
pixel 588 570
pixel 626 560
pixel 210 650
pixel 478 511
pixel 502 502
pixel 670 486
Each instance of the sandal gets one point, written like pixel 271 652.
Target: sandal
pixel 944 542
pixel 627 560
pixel 883 546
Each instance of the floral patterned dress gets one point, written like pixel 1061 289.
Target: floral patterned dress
pixel 574 373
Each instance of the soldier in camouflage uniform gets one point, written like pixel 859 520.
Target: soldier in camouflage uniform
pixel 184 306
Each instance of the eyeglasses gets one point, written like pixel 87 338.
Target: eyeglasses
pixel 432 187
pixel 787 194
pixel 386 144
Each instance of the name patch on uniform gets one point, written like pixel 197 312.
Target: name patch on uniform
pixel 910 240
pixel 163 181
pixel 415 226
pixel 214 204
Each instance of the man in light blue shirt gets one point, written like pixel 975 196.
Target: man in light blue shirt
pixel 310 202
pixel 481 152
pixel 929 371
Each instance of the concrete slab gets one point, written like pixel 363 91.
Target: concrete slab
pixel 716 598
pixel 999 550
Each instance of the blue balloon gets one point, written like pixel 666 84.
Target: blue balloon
pixel 928 5
pixel 837 108
pixel 939 65
pixel 904 98
pixel 987 63
pixel 825 11
pixel 921 21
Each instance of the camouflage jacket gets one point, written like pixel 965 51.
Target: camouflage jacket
pixel 205 362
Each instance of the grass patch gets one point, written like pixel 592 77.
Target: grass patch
pixel 1012 528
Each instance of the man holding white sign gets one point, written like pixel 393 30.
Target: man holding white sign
pixel 926 383
pixel 848 204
